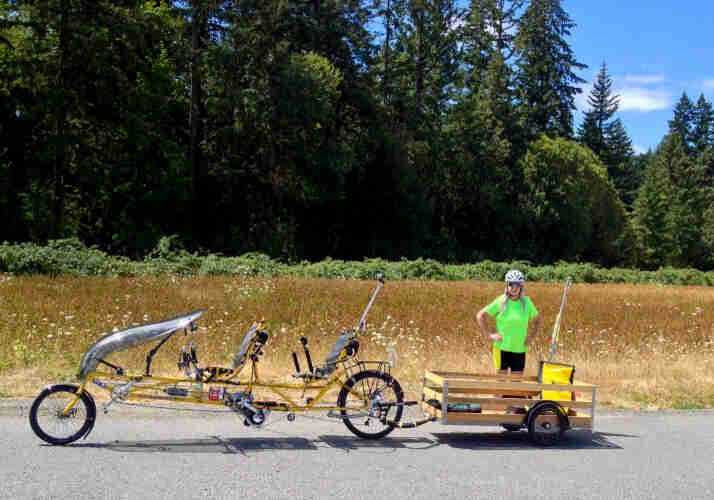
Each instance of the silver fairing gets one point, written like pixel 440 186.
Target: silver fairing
pixel 132 337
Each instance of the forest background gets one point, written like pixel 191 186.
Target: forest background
pixel 391 129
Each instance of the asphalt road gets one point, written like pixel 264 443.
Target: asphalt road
pixel 147 453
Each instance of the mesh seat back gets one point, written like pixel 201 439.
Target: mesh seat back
pixel 245 345
pixel 334 356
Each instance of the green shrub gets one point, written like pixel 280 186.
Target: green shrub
pixel 67 257
pixel 72 257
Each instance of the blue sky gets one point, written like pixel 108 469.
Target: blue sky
pixel 654 50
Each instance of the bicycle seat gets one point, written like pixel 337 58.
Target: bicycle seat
pixel 334 356
pixel 242 353
pixel 251 338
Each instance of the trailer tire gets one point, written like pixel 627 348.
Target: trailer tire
pixel 547 433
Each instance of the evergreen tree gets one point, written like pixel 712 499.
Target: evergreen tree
pixel 670 207
pixel 708 237
pixel 654 222
pixel 590 135
pixel 607 138
pixel 92 82
pixel 603 106
pixel 682 122
pixel 428 44
pixel 690 169
pixel 478 181
pixel 390 22
pixel 702 125
pixel 498 21
pixel 618 158
pixel 546 83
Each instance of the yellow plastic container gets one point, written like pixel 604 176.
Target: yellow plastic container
pixel 559 374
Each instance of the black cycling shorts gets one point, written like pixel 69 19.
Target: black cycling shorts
pixel 516 361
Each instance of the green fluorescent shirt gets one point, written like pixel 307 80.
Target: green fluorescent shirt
pixel 512 323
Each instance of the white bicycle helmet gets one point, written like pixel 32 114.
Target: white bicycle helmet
pixel 515 276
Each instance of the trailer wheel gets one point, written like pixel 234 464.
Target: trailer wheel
pixel 547 432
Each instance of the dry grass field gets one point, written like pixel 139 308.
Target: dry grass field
pixel 644 346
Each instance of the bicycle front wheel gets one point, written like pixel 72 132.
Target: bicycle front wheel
pixel 371 404
pixel 59 416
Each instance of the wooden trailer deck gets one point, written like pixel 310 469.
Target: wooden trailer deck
pixel 483 403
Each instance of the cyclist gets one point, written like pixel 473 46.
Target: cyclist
pixel 513 310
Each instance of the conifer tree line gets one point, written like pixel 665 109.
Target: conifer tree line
pixel 343 128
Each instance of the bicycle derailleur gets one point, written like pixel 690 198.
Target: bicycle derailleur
pixel 242 403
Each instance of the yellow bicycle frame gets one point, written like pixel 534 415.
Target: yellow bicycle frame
pixel 140 384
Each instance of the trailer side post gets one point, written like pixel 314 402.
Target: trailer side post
pixel 592 411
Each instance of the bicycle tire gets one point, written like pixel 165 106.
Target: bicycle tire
pixel 50 403
pixel 377 387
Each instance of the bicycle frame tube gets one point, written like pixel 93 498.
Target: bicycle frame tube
pixel 362 322
pixel 109 381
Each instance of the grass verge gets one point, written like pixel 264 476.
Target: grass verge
pixel 644 346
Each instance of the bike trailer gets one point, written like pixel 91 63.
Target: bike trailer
pixel 543 405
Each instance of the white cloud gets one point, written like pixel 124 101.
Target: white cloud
pixel 643 99
pixel 638 149
pixel 581 100
pixel 643 79
pixel 708 84
pixel 631 99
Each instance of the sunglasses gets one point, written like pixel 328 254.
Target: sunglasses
pixel 515 283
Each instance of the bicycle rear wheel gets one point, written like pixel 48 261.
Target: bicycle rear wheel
pixel 372 403
pixel 59 416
